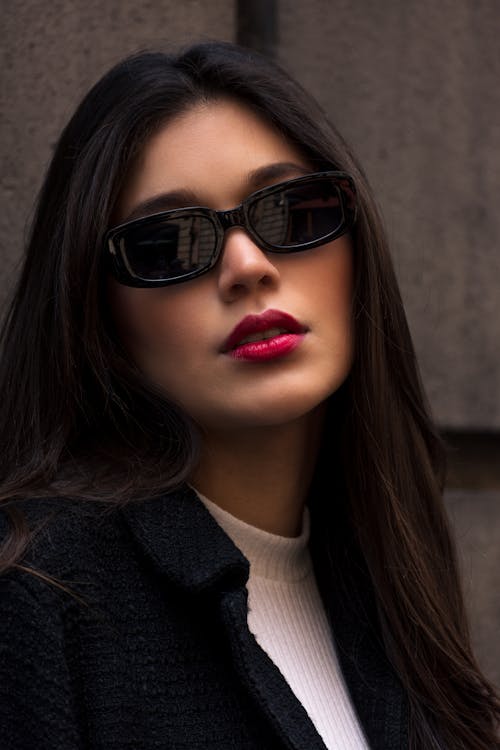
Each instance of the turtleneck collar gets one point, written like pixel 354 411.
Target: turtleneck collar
pixel 271 556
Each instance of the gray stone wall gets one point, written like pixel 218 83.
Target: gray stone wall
pixel 51 54
pixel 414 87
pixel 475 519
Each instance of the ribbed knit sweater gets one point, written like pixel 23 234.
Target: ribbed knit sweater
pixel 288 620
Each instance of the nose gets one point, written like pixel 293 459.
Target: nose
pixel 244 267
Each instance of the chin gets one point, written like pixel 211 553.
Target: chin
pixel 278 412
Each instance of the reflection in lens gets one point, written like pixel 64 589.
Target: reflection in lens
pixel 269 217
pixel 172 248
pixel 298 215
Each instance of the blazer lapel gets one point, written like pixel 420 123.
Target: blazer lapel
pixel 186 545
pixel 265 682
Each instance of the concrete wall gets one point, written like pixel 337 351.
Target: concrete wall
pixel 475 517
pixel 51 54
pixel 413 85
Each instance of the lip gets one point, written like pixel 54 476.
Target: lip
pixel 278 345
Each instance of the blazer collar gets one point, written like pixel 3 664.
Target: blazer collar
pixel 185 543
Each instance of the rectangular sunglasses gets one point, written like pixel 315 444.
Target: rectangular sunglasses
pixel 181 244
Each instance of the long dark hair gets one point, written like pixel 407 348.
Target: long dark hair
pixel 78 418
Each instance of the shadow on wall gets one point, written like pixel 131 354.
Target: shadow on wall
pixel 475 515
pixel 473 502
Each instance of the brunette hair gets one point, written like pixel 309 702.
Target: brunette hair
pixel 78 419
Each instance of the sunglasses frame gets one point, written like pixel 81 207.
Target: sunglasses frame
pixel 223 220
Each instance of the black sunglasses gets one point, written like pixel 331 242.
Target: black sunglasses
pixel 178 245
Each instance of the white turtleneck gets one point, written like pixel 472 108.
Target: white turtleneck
pixel 287 618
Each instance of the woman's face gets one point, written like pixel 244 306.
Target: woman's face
pixel 217 154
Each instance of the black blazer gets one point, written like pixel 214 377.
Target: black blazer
pixel 153 649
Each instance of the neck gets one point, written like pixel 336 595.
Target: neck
pixel 262 475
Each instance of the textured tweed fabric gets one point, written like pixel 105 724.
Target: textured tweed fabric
pixel 151 649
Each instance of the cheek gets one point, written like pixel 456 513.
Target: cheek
pixel 165 331
pixel 333 300
pixel 341 301
pixel 327 280
pixel 146 322
pixel 341 270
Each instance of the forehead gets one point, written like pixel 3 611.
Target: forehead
pixel 210 151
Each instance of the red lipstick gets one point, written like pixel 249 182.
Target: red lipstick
pixel 259 338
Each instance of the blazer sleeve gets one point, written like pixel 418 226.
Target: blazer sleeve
pixel 38 707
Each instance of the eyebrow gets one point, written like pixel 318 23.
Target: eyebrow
pixel 259 177
pixel 270 172
pixel 162 202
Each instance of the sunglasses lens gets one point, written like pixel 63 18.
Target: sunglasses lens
pixel 165 249
pixel 298 215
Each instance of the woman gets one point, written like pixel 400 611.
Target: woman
pixel 207 341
